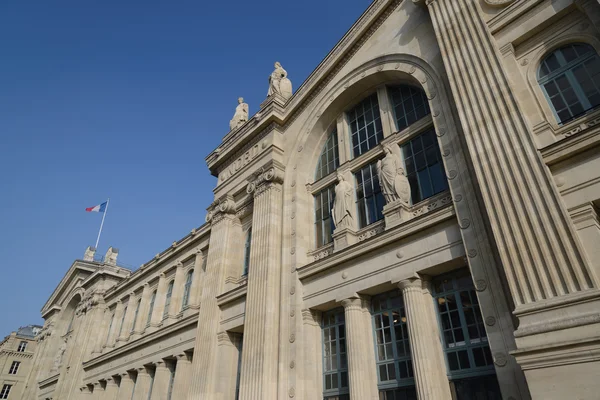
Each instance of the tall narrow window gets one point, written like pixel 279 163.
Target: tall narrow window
pixel 151 308
pixel 465 342
pixel 570 78
pixel 329 159
pixel 5 391
pixel 424 168
pixel 323 221
pixel 14 368
pixel 135 316
pixel 365 125
pixel 247 248
pixel 410 105
pixel 369 199
pixel 112 319
pixel 394 363
pixel 71 322
pixel 335 361
pixel 122 321
pixel 168 299
pixel 22 346
pixel 188 287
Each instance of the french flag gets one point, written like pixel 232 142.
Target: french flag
pixel 98 208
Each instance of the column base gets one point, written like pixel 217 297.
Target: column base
pixel 396 213
pixel 343 238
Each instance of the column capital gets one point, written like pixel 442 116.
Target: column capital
pixel 110 381
pixel 412 282
pixel 160 364
pixel 311 317
pixel 269 176
pixel 142 371
pixel 182 357
pixel 358 302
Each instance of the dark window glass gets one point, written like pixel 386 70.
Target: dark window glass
pixel 323 221
pixel 476 388
pixel 247 248
pixel 335 361
pixel 187 289
pixel 423 166
pixel 410 104
pixel 365 125
pixel 570 77
pixel 135 316
pixel 329 159
pixel 168 299
pixel 150 309
pixel 369 199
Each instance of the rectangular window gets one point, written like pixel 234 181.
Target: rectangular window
pixel 365 125
pixel 22 347
pixel 247 249
pixel 369 199
pixel 335 361
pixel 14 367
pixel 5 391
pixel 112 319
pixel 329 159
pixel 122 322
pixel 423 166
pixel 392 352
pixel 410 105
pixel 151 308
pixel 168 299
pixel 464 338
pixel 323 221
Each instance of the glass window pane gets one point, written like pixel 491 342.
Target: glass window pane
pixel 409 105
pixel 365 128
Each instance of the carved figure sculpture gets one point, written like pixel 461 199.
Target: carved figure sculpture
pixel 59 355
pixel 343 204
pixel 392 178
pixel 240 116
pixel 279 83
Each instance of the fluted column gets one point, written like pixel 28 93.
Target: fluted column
pixel 261 331
pixel 114 330
pixel 177 296
pixel 224 238
pixel 85 392
pixel 143 384
pixel 313 369
pixel 112 389
pixel 162 378
pixel 98 393
pixel 183 373
pixel 228 364
pixel 428 367
pixel 359 345
pixel 126 387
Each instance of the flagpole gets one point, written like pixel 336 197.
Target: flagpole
pixel 102 223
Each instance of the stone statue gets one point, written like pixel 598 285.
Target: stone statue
pixel 279 83
pixel 343 205
pixel 240 116
pixel 59 355
pixel 392 178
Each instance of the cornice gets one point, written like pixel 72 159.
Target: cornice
pixel 85 266
pixel 232 295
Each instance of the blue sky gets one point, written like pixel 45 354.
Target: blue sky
pixel 124 99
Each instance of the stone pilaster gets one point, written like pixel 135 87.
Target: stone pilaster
pixel 143 385
pixel 159 303
pixel 228 364
pixel 114 330
pixel 176 298
pixel 111 390
pixel 196 292
pixel 183 373
pixel 428 365
pixel 359 343
pixel 98 393
pixel 102 332
pixel 261 331
pixel 129 314
pixel 313 368
pixel 162 378
pixel 126 387
pixel 225 232
pixel 140 323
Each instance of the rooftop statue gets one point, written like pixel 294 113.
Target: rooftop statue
pixel 240 116
pixel 279 83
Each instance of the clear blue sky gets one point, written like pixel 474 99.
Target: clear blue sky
pixel 124 99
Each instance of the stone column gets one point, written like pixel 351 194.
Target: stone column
pixel 162 378
pixel 126 387
pixel 103 332
pixel 313 369
pixel 228 364
pixel 140 323
pixel 112 389
pixel 362 367
pixel 129 314
pixel 183 373
pixel 114 331
pixel 196 292
pixel 225 236
pixel 428 365
pixel 85 392
pixel 98 393
pixel 388 122
pixel 177 296
pixel 159 303
pixel 261 331
pixel 143 384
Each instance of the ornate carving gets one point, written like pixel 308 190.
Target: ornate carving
pixel 392 179
pixel 292 338
pixel 480 285
pixel 263 179
pixel 241 115
pixel 58 358
pixel 323 252
pixel 500 359
pixel 490 321
pixel 498 3
pixel 370 233
pixel 343 206
pixel 399 254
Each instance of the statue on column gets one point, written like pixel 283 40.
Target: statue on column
pixel 279 83
pixel 240 116
pixel 343 205
pixel 392 178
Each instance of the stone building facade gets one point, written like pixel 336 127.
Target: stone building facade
pixel 16 360
pixel 418 220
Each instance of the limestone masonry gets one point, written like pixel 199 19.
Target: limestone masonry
pixel 419 220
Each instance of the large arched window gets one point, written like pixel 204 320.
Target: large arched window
pixel 168 299
pixel 329 159
pixel 570 78
pixel 187 289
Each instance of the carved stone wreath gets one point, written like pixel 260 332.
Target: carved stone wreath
pixel 498 3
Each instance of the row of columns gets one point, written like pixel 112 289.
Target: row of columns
pixel 149 382
pixel 133 327
pixel 426 349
